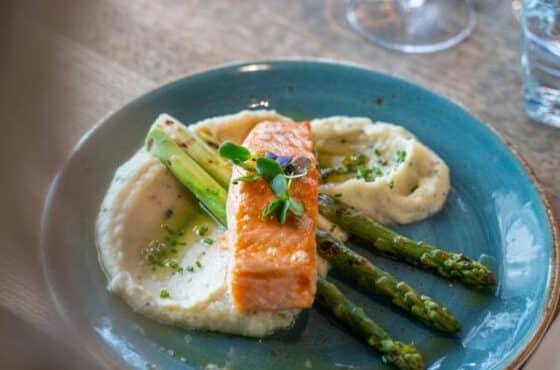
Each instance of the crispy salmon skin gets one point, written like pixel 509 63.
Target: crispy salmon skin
pixel 274 265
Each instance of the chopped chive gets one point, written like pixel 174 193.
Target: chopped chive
pixel 377 152
pixel 198 264
pixel 164 293
pixel 364 173
pixel 190 268
pixel 201 230
pixel 400 156
pixel 208 241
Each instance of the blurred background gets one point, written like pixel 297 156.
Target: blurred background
pixel 65 65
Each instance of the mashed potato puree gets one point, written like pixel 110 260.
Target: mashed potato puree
pixel 192 291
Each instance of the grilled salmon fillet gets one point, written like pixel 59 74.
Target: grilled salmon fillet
pixel 274 265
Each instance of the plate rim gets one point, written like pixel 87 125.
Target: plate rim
pixel 549 312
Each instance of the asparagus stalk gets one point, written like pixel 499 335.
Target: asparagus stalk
pixel 374 279
pixel 197 149
pixel 401 355
pixel 188 172
pixel 449 265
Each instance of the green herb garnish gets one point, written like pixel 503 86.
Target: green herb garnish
pixel 158 252
pixel 201 230
pixel 364 173
pixel 377 152
pixel 268 168
pixel 279 187
pixel 295 207
pixel 271 208
pixel 282 212
pixel 354 161
pixel 198 264
pixel 400 156
pixel 277 171
pixel 164 293
pixel 234 152
pixel 368 174
pixel 237 154
pixel 208 241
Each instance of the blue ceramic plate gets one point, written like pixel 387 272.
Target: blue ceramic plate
pixel 495 211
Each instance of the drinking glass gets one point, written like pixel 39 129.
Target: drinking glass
pixel 540 26
pixel 412 26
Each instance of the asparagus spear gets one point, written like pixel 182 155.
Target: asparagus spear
pixel 447 264
pixel 202 153
pixel 401 355
pixel 374 279
pixel 188 172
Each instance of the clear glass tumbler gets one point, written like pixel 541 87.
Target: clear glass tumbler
pixel 412 26
pixel 540 26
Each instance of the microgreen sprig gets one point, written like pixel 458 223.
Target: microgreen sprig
pixel 278 171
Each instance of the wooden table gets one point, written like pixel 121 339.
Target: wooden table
pixel 66 64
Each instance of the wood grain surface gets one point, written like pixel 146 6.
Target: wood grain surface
pixel 66 64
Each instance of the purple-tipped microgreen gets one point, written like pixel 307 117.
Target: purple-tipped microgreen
pixel 283 160
pixel 277 170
